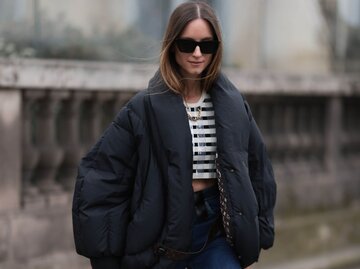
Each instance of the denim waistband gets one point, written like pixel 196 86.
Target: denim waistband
pixel 204 201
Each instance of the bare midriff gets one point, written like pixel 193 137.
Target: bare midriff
pixel 201 184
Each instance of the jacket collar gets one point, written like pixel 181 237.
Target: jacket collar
pixel 172 122
pixel 170 116
pixel 232 122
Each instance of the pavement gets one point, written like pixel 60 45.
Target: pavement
pixel 348 258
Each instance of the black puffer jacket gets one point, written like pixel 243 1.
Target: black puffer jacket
pixel 134 187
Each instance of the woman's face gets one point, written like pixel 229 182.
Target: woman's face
pixel 192 64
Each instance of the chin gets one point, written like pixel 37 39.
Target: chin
pixel 195 73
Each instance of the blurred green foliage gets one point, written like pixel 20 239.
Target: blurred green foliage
pixel 70 43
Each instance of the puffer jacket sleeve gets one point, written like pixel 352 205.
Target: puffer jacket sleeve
pixel 263 182
pixel 102 194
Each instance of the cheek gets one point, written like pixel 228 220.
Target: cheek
pixel 208 59
pixel 179 58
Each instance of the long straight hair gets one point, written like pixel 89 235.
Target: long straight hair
pixel 181 16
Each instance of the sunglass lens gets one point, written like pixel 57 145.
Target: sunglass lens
pixel 186 45
pixel 208 47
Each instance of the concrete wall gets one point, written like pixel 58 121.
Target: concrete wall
pixel 90 18
pixel 296 37
pixel 281 35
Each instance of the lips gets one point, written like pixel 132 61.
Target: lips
pixel 195 63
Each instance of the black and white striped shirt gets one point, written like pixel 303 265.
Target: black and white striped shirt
pixel 203 137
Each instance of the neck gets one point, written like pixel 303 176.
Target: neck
pixel 192 91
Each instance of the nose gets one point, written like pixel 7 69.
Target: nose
pixel 197 51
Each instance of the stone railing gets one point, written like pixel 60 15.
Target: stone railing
pixel 51 112
pixel 59 108
pixel 311 128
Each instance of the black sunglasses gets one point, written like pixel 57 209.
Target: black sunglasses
pixel 189 45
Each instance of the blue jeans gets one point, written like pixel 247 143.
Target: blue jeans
pixel 218 254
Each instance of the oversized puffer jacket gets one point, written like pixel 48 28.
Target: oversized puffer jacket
pixel 134 187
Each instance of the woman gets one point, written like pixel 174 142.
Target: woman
pixel 181 178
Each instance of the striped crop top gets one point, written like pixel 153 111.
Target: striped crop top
pixel 202 126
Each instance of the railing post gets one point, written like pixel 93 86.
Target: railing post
pixel 333 134
pixel 333 131
pixel 30 153
pixel 50 153
pixel 69 139
pixel 10 146
pixel 92 123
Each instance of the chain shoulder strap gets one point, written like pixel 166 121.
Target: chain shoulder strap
pixel 224 207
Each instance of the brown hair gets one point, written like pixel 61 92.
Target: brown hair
pixel 180 17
